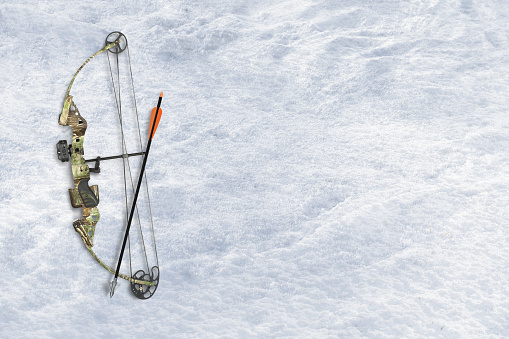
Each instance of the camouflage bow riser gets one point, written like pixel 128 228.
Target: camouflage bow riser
pixel 80 171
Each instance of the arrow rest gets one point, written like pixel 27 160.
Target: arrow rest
pixel 121 40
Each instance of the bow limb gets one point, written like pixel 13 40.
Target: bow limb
pixel 105 48
pixel 121 275
pixel 68 99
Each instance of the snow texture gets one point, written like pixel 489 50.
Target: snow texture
pixel 322 169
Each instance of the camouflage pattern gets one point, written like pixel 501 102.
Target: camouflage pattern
pixel 85 226
pixel 105 48
pixel 71 117
pixel 121 275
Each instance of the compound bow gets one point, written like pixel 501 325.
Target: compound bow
pixel 143 285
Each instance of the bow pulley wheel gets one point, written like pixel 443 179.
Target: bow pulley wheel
pixel 120 39
pixel 145 291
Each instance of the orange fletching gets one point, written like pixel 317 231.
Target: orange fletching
pixel 152 117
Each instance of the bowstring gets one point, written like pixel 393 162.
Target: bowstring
pixel 118 101
pixel 126 159
pixel 131 177
pixel 144 174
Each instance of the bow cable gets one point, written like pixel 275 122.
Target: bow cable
pixel 127 169
pixel 141 150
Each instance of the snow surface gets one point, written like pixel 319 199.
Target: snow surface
pixel 323 169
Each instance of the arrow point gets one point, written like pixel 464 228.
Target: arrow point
pixel 161 95
pixel 113 287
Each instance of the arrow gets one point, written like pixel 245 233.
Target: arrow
pixel 154 122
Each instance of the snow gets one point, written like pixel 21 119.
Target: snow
pixel 322 169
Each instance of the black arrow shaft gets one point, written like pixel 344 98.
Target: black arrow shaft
pixel 137 189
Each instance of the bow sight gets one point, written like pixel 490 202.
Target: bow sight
pixel 63 151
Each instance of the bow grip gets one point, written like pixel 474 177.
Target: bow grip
pixel 88 198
